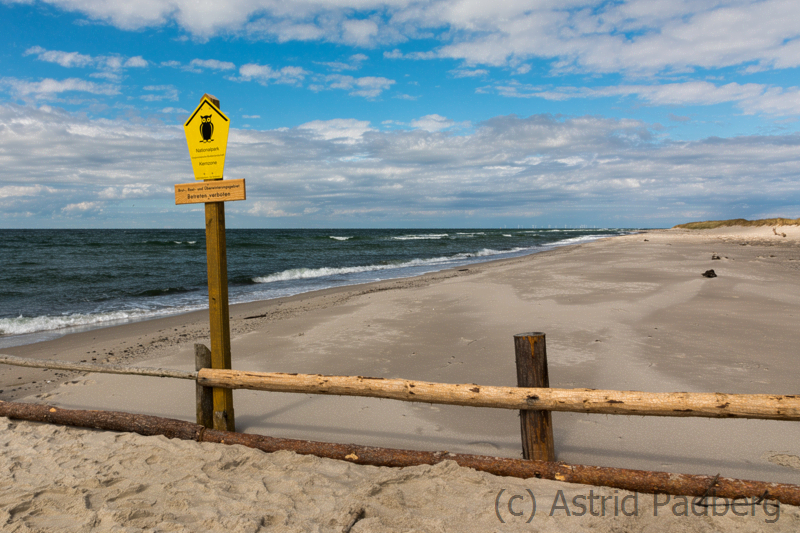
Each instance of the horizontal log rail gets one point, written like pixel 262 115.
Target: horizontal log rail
pixel 673 404
pixel 95 367
pixel 711 405
pixel 642 481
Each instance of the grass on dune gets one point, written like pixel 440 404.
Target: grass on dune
pixel 711 224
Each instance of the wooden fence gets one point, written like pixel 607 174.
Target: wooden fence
pixel 533 397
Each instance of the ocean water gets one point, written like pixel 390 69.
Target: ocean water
pixel 57 281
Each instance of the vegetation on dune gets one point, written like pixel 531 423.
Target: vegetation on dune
pixel 711 224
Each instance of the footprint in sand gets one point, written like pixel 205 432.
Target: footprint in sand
pixel 80 382
pixel 783 459
pixel 485 445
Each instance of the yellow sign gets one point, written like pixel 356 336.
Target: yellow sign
pixel 207 138
pixel 212 191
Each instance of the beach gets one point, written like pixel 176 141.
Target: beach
pixel 626 313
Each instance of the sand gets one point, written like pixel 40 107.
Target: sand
pixel 66 479
pixel 627 313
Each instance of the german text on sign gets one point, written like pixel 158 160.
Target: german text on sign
pixel 207 138
pixel 209 191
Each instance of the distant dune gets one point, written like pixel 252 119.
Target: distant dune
pixel 711 224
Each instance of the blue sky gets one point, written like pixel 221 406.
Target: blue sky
pixel 440 113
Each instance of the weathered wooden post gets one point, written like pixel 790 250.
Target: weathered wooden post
pixel 218 310
pixel 207 139
pixel 204 395
pixel 536 426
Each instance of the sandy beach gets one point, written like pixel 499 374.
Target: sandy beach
pixel 626 313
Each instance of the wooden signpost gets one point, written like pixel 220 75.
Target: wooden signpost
pixel 207 139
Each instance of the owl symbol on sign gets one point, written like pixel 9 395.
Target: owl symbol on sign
pixel 206 128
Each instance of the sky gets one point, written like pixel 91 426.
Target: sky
pixel 403 113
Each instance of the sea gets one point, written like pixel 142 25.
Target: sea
pixel 54 282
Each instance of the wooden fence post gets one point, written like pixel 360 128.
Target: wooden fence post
pixel 204 395
pixel 536 426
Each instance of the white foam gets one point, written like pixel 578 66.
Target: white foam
pixel 582 238
pixel 22 325
pixel 340 238
pixel 433 236
pixel 167 242
pixel 488 252
pixel 311 273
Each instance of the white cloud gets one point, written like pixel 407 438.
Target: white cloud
pixel 467 73
pixel 107 75
pixel 268 209
pixel 287 30
pixel 341 171
pixel 690 93
pixel 160 92
pixel 49 87
pixel 168 110
pixel 359 32
pixel 397 54
pixel 368 86
pixel 212 64
pixel 75 59
pixel 750 97
pixel 82 207
pixel 136 62
pixel 16 191
pixel 265 74
pixel 394 54
pixel 774 101
pixel 636 36
pixel 133 190
pixel 338 130
pixel 338 66
pixel 111 62
pixel 65 59
pixel 432 123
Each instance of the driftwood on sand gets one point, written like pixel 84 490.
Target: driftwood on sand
pixel 626 479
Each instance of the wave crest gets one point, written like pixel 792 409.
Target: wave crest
pixel 310 273
pixel 428 236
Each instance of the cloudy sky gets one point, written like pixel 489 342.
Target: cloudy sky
pixel 403 113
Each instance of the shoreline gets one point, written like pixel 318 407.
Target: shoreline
pixel 54 334
pixel 197 321
pixel 625 313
